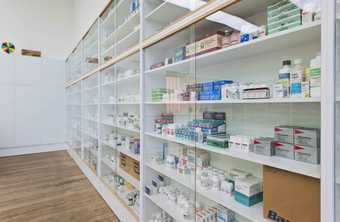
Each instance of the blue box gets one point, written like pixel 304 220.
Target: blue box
pixel 248 201
pixel 207 86
pixel 215 95
pixel 220 83
pixel 205 95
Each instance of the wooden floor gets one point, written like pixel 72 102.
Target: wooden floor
pixel 48 187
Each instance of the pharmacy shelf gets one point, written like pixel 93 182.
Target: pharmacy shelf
pixel 133 181
pixel 166 13
pixel 119 103
pixel 123 30
pixel 310 170
pixel 253 213
pixel 90 119
pixel 93 152
pixel 128 41
pixel 109 144
pixel 171 209
pixel 121 127
pixel 120 197
pixel 129 153
pixel 89 134
pixel 274 42
pixel 238 101
pixel 109 164
pixel 90 88
pixel 134 77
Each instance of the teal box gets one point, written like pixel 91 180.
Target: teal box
pixel 248 201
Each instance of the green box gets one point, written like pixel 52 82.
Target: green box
pixel 248 201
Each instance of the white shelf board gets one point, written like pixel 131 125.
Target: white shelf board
pixel 89 134
pixel 123 30
pixel 107 143
pixel 285 39
pixel 93 152
pixel 90 119
pixel 126 79
pixel 129 153
pixel 128 41
pixel 120 103
pixel 166 13
pixel 310 170
pixel 128 178
pixel 238 101
pixel 109 164
pixel 170 208
pixel 121 127
pixel 253 213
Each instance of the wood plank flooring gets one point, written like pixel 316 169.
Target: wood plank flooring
pixel 48 187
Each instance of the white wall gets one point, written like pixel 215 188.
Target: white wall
pixel 85 13
pixel 45 25
pixel 32 101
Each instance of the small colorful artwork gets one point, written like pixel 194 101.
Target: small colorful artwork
pixel 8 47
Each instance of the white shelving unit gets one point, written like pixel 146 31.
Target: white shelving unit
pixel 102 106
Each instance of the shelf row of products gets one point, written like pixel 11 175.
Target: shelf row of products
pixel 168 142
pixel 292 142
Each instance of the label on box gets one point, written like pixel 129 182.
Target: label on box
pixel 284 150
pixel 248 186
pixel 307 154
pixel 307 137
pixel 284 134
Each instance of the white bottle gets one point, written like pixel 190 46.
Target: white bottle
pixel 296 78
pixel 284 77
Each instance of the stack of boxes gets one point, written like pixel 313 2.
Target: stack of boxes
pixel 283 15
pixel 158 94
pixel 248 191
pixel 299 143
pixel 212 90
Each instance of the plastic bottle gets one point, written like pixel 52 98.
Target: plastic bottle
pixel 284 77
pixel 296 78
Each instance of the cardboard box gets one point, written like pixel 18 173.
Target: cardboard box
pixel 248 191
pixel 248 186
pixel 291 196
pixel 284 134
pixel 307 154
pixel 307 137
pixel 264 146
pixel 285 150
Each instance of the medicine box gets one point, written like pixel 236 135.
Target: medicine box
pixel 248 191
pixel 210 43
pixel 307 154
pixel 264 146
pixel 307 137
pixel 248 201
pixel 284 134
pixel 238 174
pixel 248 186
pixel 218 141
pixel 225 215
pixel 285 150
pixel 180 54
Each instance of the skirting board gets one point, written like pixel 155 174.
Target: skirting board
pixel 15 151
pixel 121 212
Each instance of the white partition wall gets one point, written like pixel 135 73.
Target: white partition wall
pixel 32 93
